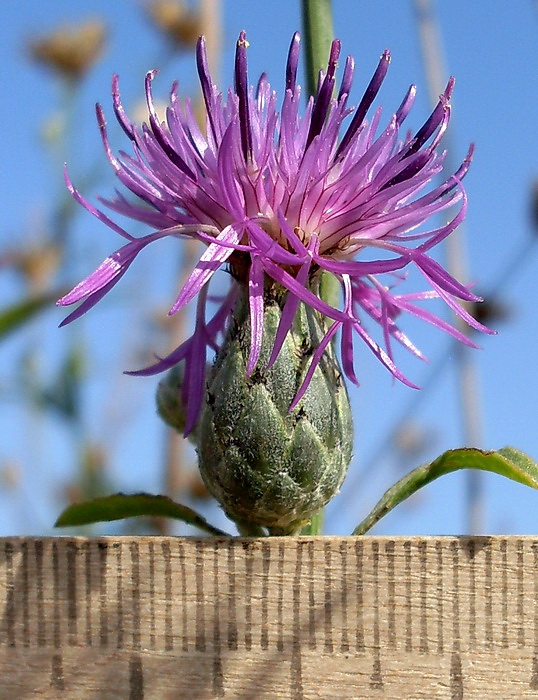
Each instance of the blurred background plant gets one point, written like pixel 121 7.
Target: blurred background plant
pixel 73 427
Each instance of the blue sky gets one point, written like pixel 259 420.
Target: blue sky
pixel 491 48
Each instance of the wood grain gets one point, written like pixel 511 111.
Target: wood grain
pixel 299 618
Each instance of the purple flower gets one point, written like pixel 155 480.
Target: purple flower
pixel 278 196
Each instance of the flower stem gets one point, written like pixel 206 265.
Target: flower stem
pixel 318 35
pixel 249 530
pixel 315 526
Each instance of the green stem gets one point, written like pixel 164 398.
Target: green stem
pixel 317 37
pixel 249 529
pixel 329 289
pixel 315 526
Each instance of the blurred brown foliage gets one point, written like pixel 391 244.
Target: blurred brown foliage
pixel 70 50
pixel 179 23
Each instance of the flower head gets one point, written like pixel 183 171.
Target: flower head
pixel 281 197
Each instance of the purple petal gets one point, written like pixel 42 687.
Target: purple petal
pixel 304 294
pixel 346 343
pixel 195 372
pixel 91 301
pixel 113 266
pixel 382 356
pixel 291 305
pixel 314 362
pixel 256 306
pixel 210 261
pixel 89 207
pixel 366 102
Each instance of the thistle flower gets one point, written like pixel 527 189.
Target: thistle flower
pixel 281 198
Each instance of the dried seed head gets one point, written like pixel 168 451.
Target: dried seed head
pixel 71 50
pixel 181 25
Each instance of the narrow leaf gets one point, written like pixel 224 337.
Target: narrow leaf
pixel 11 317
pixel 121 505
pixel 507 462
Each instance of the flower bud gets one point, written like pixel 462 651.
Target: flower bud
pixel 268 466
pixel 169 402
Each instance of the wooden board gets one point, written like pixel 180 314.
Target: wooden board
pixel 299 618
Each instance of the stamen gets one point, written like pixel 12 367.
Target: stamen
pixel 367 99
pixel 205 83
pixel 122 118
pixel 241 89
pixel 293 60
pixel 261 80
pixel 347 78
pixel 324 95
pixel 431 124
pixel 160 134
pixel 409 171
pixel 407 102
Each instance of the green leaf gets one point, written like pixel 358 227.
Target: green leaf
pixel 121 505
pixel 11 317
pixel 507 462
pixel 63 393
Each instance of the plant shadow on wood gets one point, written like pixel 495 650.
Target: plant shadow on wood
pixel 256 618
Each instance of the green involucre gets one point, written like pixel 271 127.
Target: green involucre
pixel 265 465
